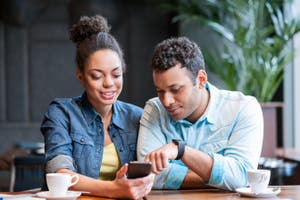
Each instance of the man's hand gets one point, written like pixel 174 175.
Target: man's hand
pixel 160 157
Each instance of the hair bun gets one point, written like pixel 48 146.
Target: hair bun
pixel 87 26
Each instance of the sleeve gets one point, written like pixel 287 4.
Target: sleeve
pixel 151 137
pixel 58 144
pixel 242 151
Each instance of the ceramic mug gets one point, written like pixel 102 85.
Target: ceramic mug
pixel 259 180
pixel 59 183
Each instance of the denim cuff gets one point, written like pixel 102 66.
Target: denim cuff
pixel 60 162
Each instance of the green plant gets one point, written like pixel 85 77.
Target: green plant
pixel 255 40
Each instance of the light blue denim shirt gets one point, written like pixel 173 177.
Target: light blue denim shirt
pixel 74 135
pixel 230 131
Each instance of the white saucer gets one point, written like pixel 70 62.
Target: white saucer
pixel 270 192
pixel 71 195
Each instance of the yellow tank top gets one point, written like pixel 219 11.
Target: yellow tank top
pixel 110 163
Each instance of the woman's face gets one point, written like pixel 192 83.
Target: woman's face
pixel 102 77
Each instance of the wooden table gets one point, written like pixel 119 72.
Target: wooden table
pixel 287 193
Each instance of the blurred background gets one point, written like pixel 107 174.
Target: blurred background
pixel 37 62
pixel 37 59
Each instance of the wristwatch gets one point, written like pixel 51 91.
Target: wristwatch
pixel 181 146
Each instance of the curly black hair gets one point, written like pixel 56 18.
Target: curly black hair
pixel 180 50
pixel 91 34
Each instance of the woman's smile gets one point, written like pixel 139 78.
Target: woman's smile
pixel 108 95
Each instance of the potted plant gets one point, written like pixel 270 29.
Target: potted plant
pixel 251 44
pixel 254 47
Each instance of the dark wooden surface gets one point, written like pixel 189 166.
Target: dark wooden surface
pixel 287 192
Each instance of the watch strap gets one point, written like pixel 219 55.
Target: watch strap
pixel 181 147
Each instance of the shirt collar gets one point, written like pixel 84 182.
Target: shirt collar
pixel 91 114
pixel 210 113
pixel 118 118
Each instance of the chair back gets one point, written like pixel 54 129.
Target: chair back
pixel 27 172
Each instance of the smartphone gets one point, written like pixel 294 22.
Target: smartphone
pixel 138 169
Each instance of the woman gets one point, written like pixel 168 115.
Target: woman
pixel 95 134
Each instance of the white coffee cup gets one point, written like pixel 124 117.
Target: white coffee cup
pixel 259 180
pixel 59 183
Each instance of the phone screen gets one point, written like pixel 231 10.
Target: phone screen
pixel 138 169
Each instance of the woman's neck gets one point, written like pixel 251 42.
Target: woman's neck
pixel 105 112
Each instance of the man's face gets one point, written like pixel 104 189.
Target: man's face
pixel 179 94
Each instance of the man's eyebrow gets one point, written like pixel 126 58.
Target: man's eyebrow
pixel 170 86
pixel 173 85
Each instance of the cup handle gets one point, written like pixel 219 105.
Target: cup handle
pixel 76 177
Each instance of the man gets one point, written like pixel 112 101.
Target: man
pixel 194 134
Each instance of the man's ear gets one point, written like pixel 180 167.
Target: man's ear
pixel 201 78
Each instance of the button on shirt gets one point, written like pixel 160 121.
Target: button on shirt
pixel 230 131
pixel 74 134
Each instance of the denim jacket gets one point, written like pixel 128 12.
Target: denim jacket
pixel 74 134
